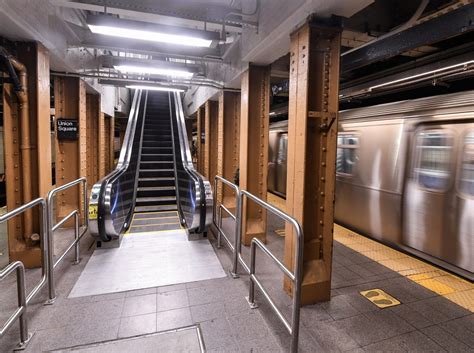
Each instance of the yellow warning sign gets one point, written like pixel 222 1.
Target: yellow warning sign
pixel 380 298
pixel 93 211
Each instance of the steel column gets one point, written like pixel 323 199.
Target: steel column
pixel 228 144
pixel 71 160
pixel 210 140
pixel 253 159
pixel 200 141
pixel 312 137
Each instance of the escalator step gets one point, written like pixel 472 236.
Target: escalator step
pixel 156 208
pixel 156 165
pixel 152 182
pixel 156 157
pixel 153 173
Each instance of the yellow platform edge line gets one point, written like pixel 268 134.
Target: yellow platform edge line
pixel 459 290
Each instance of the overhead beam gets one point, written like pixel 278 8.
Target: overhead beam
pixel 456 22
pixel 159 14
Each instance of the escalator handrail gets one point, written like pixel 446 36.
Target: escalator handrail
pixel 122 165
pixel 187 160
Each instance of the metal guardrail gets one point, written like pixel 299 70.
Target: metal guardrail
pixel 23 299
pixel 53 227
pixel 220 232
pixel 20 312
pixel 44 240
pixel 296 277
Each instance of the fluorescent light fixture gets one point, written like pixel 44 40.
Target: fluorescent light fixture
pixel 155 88
pixel 150 35
pixel 154 71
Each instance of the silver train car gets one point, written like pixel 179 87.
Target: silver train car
pixel 404 176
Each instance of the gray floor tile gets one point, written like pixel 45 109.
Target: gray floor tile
pixel 445 339
pixel 248 326
pixel 171 319
pixel 171 288
pixel 461 329
pixel 208 311
pixel 172 300
pixel 143 304
pixel 331 337
pixel 135 293
pixel 260 345
pixel 409 342
pixel 339 308
pixel 412 316
pixel 372 327
pixel 137 325
pixel 217 334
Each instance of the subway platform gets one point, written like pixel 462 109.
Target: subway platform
pixel 434 314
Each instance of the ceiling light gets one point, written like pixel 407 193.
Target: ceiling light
pixel 155 88
pixel 150 36
pixel 154 71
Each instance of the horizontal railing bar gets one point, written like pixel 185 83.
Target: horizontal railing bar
pixel 20 312
pixel 244 264
pixel 66 186
pixel 64 220
pixel 228 183
pixel 53 227
pixel 275 210
pixel 283 268
pixel 17 211
pixel 272 303
pixel 227 211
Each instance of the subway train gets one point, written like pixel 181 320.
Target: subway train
pixel 404 176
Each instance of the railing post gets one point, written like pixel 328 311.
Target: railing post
pixel 24 336
pixel 51 288
pixel 77 258
pixel 219 222
pixel 251 298
pixel 238 235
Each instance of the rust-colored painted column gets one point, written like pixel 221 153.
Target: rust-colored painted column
pixel 71 160
pixel 95 142
pixel 312 136
pixel 38 177
pixel 228 143
pixel 253 159
pixel 210 142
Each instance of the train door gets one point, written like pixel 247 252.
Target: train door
pixel 465 202
pixel 431 201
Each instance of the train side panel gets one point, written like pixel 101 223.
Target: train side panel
pixel 369 179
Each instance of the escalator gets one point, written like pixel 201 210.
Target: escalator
pixel 154 186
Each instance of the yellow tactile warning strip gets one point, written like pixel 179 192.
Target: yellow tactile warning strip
pixel 441 282
pixel 380 298
pixel 154 222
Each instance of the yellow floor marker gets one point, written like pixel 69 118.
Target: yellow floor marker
pixel 380 298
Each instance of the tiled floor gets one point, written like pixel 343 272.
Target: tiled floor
pixel 424 322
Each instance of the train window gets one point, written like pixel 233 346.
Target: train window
pixel 466 178
pixel 434 150
pixel 346 153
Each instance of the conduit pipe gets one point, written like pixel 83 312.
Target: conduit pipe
pixel 21 90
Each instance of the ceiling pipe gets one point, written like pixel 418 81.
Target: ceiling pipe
pixel 19 76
